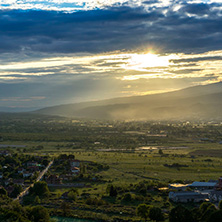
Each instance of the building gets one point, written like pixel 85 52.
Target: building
pixel 53 179
pixel 32 163
pixel 66 177
pixel 75 170
pixel 219 185
pixel 75 163
pixel 19 181
pixel 27 174
pixel 20 170
pixel 5 153
pixel 215 196
pixel 187 196
pixel 203 185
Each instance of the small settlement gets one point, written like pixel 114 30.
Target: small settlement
pixel 19 171
pixel 196 192
pixel 72 170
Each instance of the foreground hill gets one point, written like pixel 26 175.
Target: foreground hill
pixel 198 102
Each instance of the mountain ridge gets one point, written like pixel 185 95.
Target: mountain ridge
pixel 163 106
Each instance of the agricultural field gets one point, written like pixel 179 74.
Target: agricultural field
pixel 137 159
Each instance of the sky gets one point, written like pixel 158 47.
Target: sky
pixel 65 51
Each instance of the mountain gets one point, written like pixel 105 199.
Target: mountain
pixel 16 109
pixel 197 102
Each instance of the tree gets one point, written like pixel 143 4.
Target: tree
pixel 143 211
pixel 17 190
pixel 216 216
pixel 72 195
pixel 65 207
pixel 203 207
pixel 160 151
pixel 39 214
pixel 208 212
pixel 40 189
pixel 156 214
pixel 3 191
pixel 127 197
pixel 13 216
pixel 112 191
pixel 220 205
pixel 196 213
pixel 37 200
pixel 180 214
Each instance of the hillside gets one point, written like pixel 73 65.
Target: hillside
pixel 198 102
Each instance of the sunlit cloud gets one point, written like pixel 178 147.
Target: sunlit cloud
pixel 141 62
pixel 123 66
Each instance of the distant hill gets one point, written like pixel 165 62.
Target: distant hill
pixel 16 109
pixel 198 102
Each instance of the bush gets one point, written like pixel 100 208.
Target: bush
pixel 156 214
pixel 127 197
pixel 38 214
pixel 143 211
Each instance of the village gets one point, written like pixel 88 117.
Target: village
pixel 196 192
pixel 19 172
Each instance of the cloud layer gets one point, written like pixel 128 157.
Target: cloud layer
pixel 73 51
pixel 179 27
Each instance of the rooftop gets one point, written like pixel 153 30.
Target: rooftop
pixel 203 184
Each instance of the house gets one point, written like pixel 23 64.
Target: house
pixel 75 163
pixel 75 170
pixel 97 143
pixel 27 174
pixel 203 185
pixel 53 179
pixel 32 163
pixel 33 168
pixel 5 153
pixel 66 177
pixel 20 170
pixel 19 181
pixel 215 196
pixel 219 185
pixel 187 196
pixel 7 181
pixel 9 189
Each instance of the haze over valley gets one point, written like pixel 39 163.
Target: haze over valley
pixel 195 103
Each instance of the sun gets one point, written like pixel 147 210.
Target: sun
pixel 143 62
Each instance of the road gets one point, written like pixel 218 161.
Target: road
pixel 25 192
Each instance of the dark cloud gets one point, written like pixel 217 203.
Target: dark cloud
pixel 186 71
pixel 151 2
pixel 115 28
pixel 197 59
pixel 198 9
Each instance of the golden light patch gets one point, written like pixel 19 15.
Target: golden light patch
pixel 141 62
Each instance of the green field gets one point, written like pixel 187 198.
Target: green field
pixel 181 152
